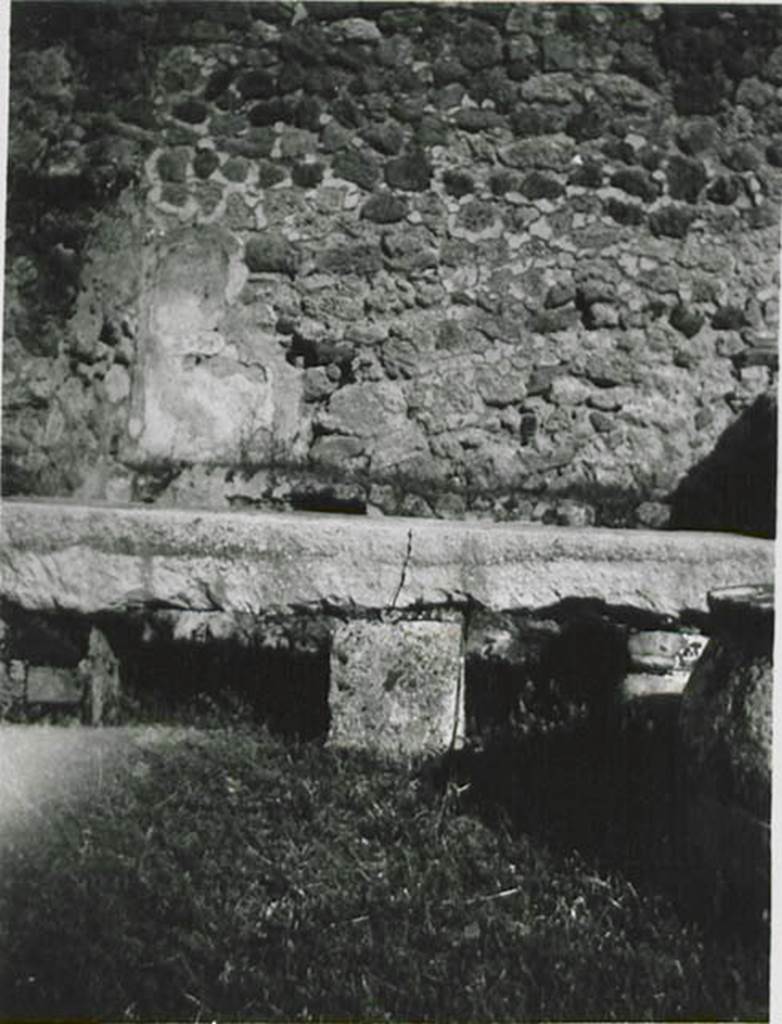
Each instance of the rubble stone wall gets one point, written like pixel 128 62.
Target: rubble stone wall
pixel 506 260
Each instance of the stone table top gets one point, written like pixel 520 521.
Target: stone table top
pixel 100 557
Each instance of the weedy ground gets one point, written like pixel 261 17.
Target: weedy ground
pixel 214 874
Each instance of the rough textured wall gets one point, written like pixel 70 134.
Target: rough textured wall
pixel 507 260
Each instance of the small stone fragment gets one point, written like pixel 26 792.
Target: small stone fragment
pixel 191 111
pixel 386 138
pixel 743 157
pixel 686 177
pixel 686 320
pixel 697 135
pixel 624 213
pixel 636 182
pixel 172 164
pixel 235 168
pixel 271 252
pixel 256 85
pixel 356 166
pixel 477 119
pixel 307 175
pixel 537 185
pixel 385 208
pixel 306 113
pixel 270 174
pixel 267 113
pixel 205 162
pixel 724 190
pixel 359 258
pixel 411 172
pixel 560 294
pixel 671 221
pixel 729 318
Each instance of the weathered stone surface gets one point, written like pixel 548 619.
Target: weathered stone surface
pixel 671 221
pixel 551 152
pixel 396 687
pixel 411 171
pixel 660 651
pixel 686 177
pixel 270 252
pixel 726 738
pixel 53 685
pixel 205 162
pixel 97 558
pixel 266 125
pixel 206 384
pixel 98 673
pixel 641 686
pixel 356 166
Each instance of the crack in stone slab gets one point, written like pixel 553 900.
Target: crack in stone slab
pixel 405 565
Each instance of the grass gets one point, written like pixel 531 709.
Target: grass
pixel 228 875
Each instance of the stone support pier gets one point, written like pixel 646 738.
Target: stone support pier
pixel 398 686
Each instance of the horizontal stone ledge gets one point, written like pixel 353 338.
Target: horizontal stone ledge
pixel 100 558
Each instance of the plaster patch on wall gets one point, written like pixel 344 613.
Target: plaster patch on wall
pixel 211 386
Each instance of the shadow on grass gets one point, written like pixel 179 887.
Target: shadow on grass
pixel 608 786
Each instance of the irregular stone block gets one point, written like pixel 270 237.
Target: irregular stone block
pixel 191 111
pixel 384 208
pixel 671 221
pixel 551 152
pixel 411 172
pixel 13 676
pixel 355 166
pixel 385 138
pixel 662 651
pixel 98 674
pixel 47 684
pixel 686 177
pixel 726 741
pixel 636 182
pixel 644 685
pixel 270 252
pixel 396 687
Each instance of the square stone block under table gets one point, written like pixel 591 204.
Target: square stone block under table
pixel 397 687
